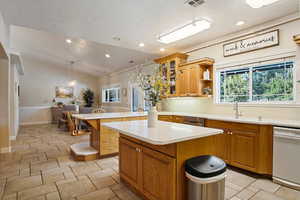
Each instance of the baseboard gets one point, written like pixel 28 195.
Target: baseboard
pixel 5 150
pixel 35 123
pixel 12 137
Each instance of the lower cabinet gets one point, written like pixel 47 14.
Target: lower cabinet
pixel 246 146
pixel 243 146
pixel 150 172
pixel 129 162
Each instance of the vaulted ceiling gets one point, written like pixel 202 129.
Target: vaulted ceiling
pixel 98 23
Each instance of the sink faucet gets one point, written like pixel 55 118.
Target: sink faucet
pixel 237 110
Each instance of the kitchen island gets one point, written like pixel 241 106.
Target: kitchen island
pixel 152 159
pixel 103 142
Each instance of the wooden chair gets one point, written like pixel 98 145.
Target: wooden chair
pixel 72 127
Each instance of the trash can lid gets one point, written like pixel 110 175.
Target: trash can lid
pixel 205 166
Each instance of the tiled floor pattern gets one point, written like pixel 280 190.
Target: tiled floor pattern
pixel 40 168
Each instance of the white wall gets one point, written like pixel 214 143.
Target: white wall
pixel 125 80
pixel 37 88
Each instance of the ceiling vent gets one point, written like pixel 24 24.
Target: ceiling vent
pixel 195 3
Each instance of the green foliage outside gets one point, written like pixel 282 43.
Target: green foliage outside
pixel 268 84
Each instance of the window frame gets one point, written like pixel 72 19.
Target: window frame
pixel 104 90
pixel 217 87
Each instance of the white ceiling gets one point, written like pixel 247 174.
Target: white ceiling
pixel 134 21
pixel 89 56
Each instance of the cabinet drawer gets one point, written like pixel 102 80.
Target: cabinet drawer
pixel 169 149
pixel 166 118
pixel 232 125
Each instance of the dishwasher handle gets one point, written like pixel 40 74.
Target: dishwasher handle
pixel 286 136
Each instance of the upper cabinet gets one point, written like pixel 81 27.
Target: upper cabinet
pixel 297 39
pixel 169 68
pixel 195 79
pixel 187 79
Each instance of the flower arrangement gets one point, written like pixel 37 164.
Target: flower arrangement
pixel 154 85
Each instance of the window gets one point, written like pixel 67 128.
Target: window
pixel 269 82
pixel 110 95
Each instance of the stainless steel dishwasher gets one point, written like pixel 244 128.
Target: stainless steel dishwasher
pixel 195 121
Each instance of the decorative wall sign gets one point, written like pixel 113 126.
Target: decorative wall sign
pixel 260 41
pixel 64 92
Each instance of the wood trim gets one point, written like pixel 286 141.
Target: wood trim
pixel 297 39
pixel 84 157
pixel 170 57
pixel 203 61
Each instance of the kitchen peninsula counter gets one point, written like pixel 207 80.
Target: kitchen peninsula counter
pixel 103 142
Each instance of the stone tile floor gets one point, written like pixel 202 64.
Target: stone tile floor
pixel 40 168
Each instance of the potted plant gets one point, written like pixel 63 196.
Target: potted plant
pixel 155 88
pixel 88 97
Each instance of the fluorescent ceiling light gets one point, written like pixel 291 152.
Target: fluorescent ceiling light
pixel 259 3
pixel 141 44
pixel 184 31
pixel 107 55
pixel 240 23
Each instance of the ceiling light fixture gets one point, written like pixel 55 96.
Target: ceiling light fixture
pixel 259 3
pixel 240 23
pixel 184 31
pixel 162 49
pixel 141 44
pixel 69 41
pixel 107 55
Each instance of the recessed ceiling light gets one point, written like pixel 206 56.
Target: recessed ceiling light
pixel 107 55
pixel 141 44
pixel 185 31
pixel 162 49
pixel 259 3
pixel 69 41
pixel 240 23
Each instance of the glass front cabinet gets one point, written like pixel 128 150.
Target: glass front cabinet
pixel 169 68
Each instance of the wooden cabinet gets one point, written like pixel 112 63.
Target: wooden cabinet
pixel 242 145
pixel 129 161
pixel 158 170
pixel 191 80
pixel 171 118
pixel 168 69
pixel 150 172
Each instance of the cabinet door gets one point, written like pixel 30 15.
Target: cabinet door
pixel 129 161
pixel 158 175
pixel 243 149
pixel 194 81
pixel 223 142
pixel 183 82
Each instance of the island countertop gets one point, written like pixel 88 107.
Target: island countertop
pixel 163 133
pixel 93 116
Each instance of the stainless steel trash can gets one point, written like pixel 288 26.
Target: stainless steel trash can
pixel 206 178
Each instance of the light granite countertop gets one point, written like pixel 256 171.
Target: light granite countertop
pixel 163 133
pixel 274 122
pixel 109 115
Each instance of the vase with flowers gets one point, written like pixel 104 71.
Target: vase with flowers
pixel 155 88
